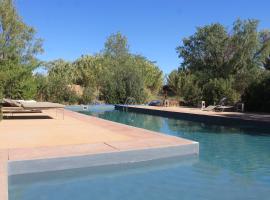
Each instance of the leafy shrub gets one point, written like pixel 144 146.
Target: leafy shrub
pixel 1 92
pixel 257 95
pixel 191 91
pixel 244 78
pixel 88 95
pixel 55 89
pixel 185 86
pixel 123 81
pixel 70 96
pixel 216 89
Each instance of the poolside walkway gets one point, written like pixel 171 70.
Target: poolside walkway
pixel 250 117
pixel 51 136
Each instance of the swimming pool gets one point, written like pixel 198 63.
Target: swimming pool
pixel 234 163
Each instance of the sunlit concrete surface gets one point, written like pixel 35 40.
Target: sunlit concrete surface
pixel 30 133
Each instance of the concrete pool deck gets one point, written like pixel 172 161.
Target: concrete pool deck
pixel 33 142
pixel 196 114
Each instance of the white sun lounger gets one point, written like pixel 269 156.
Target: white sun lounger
pixel 29 106
pixel 41 105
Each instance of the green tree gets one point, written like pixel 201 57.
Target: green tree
pixel 62 69
pixel 55 86
pixel 116 46
pixel 42 87
pixel 176 80
pixel 127 75
pixel 89 72
pixel 18 48
pixel 248 51
pixel 265 47
pixel 224 62
pixel 206 51
pixel 215 53
pixel 185 86
pixel 121 84
pixel 151 74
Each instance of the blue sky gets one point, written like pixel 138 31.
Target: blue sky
pixel 71 28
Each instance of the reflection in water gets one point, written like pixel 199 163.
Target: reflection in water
pixel 134 119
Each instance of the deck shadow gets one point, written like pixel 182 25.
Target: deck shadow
pixel 26 117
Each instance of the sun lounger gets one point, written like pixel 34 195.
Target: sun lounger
pixel 9 109
pixel 21 106
pixel 220 107
pixel 11 103
pixel 41 105
pixel 209 108
pixel 18 110
pixel 30 105
pixel 223 108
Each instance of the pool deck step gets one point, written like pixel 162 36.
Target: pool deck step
pixel 29 145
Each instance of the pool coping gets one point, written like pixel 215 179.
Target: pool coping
pixel 17 167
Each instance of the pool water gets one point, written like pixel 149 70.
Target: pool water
pixel 234 163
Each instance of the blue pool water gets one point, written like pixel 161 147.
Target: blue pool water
pixel 234 163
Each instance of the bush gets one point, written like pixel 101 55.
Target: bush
pixel 88 95
pixel 243 79
pixel 1 92
pixel 257 95
pixel 185 86
pixel 55 89
pixel 123 82
pixel 216 89
pixel 191 91
pixel 70 96
pixel 18 82
pixel 2 78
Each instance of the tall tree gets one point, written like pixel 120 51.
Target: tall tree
pixel 224 61
pixel 56 86
pixel 18 48
pixel 264 38
pixel 61 68
pixel 244 45
pixel 116 46
pixel 215 53
pixel 149 71
pixel 206 51
pixel 127 75
pixel 89 73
